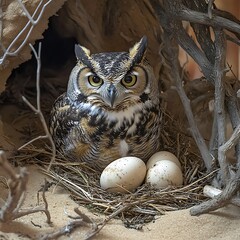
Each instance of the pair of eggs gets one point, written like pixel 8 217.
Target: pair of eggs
pixel 127 173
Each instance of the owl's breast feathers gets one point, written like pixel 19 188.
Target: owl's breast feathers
pixel 95 135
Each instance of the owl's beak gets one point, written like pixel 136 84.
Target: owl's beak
pixel 112 93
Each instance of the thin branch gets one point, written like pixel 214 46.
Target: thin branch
pixel 213 145
pixel 210 6
pixel 232 39
pixel 233 140
pixel 38 109
pixel 38 58
pixel 78 221
pixel 7 51
pixel 203 18
pixel 219 73
pixel 101 225
pixel 233 111
pixel 26 12
pixel 17 189
pixel 31 141
pixel 172 55
pixel 29 104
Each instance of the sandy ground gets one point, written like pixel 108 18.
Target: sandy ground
pixel 222 224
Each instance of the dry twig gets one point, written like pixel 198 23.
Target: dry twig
pixel 17 189
pixel 210 6
pixel 38 109
pixel 28 27
pixel 219 73
pixel 83 220
pixel 78 221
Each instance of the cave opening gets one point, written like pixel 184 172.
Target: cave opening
pixel 57 60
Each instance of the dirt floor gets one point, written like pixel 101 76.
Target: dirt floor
pixel 222 224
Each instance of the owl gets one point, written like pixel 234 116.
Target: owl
pixel 111 108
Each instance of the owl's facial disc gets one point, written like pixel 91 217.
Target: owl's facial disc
pixel 129 88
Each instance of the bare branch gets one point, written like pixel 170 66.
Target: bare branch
pixel 38 109
pixel 101 225
pixel 26 12
pixel 79 220
pixel 210 6
pixel 31 23
pixel 17 189
pixel 172 54
pixel 231 141
pixel 38 58
pixel 219 73
pixel 233 111
pixel 31 141
pixel 234 40
pixel 203 18
pixel 213 145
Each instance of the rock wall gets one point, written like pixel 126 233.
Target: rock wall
pixel 13 20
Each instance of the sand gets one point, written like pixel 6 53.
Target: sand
pixel 222 224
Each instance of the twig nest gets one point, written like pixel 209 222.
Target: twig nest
pixel 123 175
pixel 164 173
pixel 162 155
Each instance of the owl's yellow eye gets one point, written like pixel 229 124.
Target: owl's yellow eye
pixel 129 80
pixel 95 81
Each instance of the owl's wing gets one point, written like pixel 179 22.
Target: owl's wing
pixel 64 121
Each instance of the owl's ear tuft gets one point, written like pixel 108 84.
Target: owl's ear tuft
pixel 83 55
pixel 137 52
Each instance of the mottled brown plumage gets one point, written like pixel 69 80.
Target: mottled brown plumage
pixel 111 108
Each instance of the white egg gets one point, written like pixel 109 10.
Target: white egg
pixel 124 174
pixel 164 173
pixel 162 155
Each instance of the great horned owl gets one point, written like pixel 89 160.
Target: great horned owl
pixel 111 108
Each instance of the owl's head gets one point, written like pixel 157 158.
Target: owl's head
pixel 113 80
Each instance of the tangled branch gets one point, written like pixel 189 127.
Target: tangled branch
pixel 211 58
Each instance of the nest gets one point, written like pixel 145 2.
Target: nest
pixel 141 206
